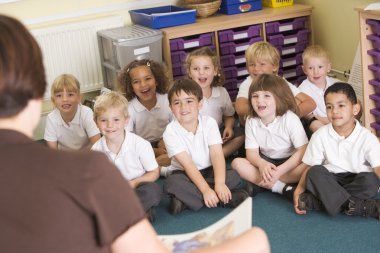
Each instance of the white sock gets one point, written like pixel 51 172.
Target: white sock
pixel 278 186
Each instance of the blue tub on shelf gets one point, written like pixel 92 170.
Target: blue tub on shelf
pixel 163 16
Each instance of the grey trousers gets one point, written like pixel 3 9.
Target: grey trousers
pixel 149 194
pixel 333 190
pixel 179 185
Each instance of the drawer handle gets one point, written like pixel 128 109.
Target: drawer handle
pixel 245 7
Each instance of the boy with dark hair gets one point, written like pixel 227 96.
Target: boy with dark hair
pixel 342 161
pixel 199 176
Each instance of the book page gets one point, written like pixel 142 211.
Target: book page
pixel 236 222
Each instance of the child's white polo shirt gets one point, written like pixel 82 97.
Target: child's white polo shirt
pixel 277 140
pixel 217 105
pixel 135 157
pixel 244 88
pixel 74 135
pixel 359 152
pixel 150 125
pixel 177 139
pixel 317 94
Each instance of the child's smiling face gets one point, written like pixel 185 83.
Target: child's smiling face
pixel 202 71
pixel 143 83
pixel 185 107
pixel 258 67
pixel 67 101
pixel 112 122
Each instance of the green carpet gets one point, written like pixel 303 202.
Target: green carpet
pixel 287 231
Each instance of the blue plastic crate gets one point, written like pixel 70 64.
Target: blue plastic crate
pixel 163 16
pixel 231 7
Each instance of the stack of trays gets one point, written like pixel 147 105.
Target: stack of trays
pixel 232 46
pixel 375 68
pixel 290 37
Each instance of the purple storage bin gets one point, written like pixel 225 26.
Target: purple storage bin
pixel 291 61
pixel 376 112
pixel 285 25
pixel 232 60
pixel 233 94
pixel 233 47
pixel 292 49
pixel 234 83
pixel 291 72
pixel 178 56
pixel 178 69
pixel 376 126
pixel 376 84
pixel 375 69
pixel 191 42
pixel 375 25
pixel 234 34
pixel 375 55
pixel 297 80
pixel 234 72
pixel 376 99
pixel 375 41
pixel 280 39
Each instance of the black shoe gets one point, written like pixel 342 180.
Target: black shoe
pixel 237 197
pixel 176 206
pixel 288 191
pixel 308 202
pixel 366 208
pixel 151 215
pixel 253 189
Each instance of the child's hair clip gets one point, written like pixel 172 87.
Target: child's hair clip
pixel 148 63
pixel 127 70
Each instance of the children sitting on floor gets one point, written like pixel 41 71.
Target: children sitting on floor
pixel 275 139
pixel 316 66
pixel 194 143
pixel 263 58
pixel 203 66
pixel 131 154
pixel 342 161
pixel 145 86
pixel 70 125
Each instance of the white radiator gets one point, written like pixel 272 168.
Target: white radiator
pixel 73 48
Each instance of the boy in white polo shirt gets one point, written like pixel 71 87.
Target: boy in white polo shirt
pixel 342 161
pixel 199 176
pixel 132 155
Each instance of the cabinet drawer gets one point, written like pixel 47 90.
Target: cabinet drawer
pixel 375 25
pixel 233 83
pixel 375 69
pixel 179 69
pixel 281 39
pixel 234 72
pixel 291 72
pixel 239 33
pixel 376 112
pixel 231 59
pixel 285 25
pixel 180 56
pixel 233 47
pixel 376 126
pixel 292 49
pixel 376 99
pixel 191 42
pixel 375 55
pixel 376 85
pixel 375 41
pixel 291 61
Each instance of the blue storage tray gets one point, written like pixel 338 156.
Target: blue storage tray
pixel 231 7
pixel 163 16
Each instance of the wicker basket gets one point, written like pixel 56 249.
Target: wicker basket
pixel 204 8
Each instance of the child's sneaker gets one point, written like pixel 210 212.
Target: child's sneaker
pixel 237 197
pixel 288 191
pixel 253 189
pixel 366 208
pixel 165 171
pixel 176 206
pixel 308 202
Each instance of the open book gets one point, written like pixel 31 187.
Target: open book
pixel 236 222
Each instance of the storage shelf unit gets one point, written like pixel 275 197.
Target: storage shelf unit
pixel 370 67
pixel 241 25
